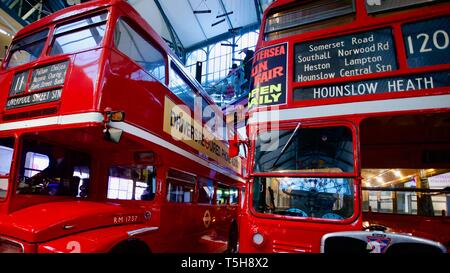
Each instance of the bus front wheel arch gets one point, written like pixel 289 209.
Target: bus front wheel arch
pixel 131 246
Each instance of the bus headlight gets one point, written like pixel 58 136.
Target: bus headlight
pixel 258 239
pixel 7 246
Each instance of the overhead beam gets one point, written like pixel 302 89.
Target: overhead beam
pixel 11 13
pixel 198 22
pixel 258 10
pixel 173 34
pixel 32 10
pixel 225 12
pixel 13 4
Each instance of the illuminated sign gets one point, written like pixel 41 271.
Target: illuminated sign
pixel 179 123
pixel 351 55
pixel 34 98
pixel 268 81
pixel 427 42
pixel 378 86
pixel 19 83
pixel 48 76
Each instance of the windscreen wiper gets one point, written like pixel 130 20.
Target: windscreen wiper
pixel 287 144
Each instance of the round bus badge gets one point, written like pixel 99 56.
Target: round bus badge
pixel 147 215
pixel 206 218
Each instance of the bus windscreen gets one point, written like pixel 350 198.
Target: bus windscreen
pixel 323 150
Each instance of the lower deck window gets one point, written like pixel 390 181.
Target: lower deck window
pixel 405 163
pixel 180 186
pixel 222 195
pixel 406 191
pixel 131 183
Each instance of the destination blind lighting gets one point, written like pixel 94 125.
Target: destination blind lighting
pixel 308 13
pixel 374 6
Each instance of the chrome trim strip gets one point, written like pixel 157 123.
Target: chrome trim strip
pixel 141 230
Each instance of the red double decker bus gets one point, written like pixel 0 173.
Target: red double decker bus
pixel 100 149
pixel 346 95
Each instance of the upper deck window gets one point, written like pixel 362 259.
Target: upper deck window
pixel 179 86
pixel 301 18
pixel 79 35
pixel 27 49
pixel 129 42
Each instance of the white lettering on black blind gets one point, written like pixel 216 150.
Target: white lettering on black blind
pixel 378 86
pixel 48 76
pixel 351 55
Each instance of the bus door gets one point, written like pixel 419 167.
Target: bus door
pixel 177 214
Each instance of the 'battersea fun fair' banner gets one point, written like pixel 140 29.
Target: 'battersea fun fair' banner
pixel 268 82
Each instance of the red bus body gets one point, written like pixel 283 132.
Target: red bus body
pixel 103 78
pixel 374 145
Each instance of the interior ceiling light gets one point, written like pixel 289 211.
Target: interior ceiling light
pixel 206 9
pixel 225 14
pixel 397 173
pixel 4 32
pixel 218 22
pixel 232 45
pixel 202 11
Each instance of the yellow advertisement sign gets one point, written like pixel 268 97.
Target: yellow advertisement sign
pixel 181 126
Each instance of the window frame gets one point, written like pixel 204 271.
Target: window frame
pixel 200 180
pixel 356 209
pixel 132 166
pixel 307 125
pixel 55 35
pixel 183 182
pixel 222 186
pixel 20 159
pixel 43 52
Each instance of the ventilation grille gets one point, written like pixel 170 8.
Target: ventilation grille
pixel 30 114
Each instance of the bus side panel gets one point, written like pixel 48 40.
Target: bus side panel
pixel 432 228
pixel 126 87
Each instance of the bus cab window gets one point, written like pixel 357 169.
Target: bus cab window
pixel 131 183
pixel 48 169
